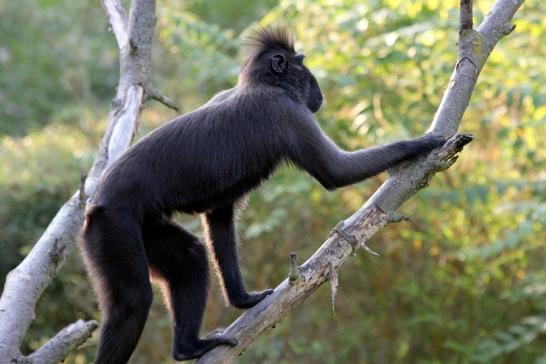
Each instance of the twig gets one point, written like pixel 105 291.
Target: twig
pixel 294 274
pixel 69 338
pixel 158 96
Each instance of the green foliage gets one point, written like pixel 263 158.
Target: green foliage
pixel 463 282
pixel 530 291
pixel 78 60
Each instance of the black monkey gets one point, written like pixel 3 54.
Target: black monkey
pixel 205 162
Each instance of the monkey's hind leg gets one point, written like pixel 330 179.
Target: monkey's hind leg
pixel 178 261
pixel 117 264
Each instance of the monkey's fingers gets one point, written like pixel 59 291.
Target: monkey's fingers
pixel 457 142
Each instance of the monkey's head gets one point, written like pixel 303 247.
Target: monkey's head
pixel 273 62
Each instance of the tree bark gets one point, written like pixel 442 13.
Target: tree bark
pixel 404 181
pixel 25 284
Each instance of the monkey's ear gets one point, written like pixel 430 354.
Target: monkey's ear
pixel 278 63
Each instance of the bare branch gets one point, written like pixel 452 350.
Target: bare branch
pixel 126 122
pixel 25 284
pixel 404 181
pixel 118 21
pixel 158 96
pixel 474 49
pixel 69 338
pixel 465 19
pixel 294 274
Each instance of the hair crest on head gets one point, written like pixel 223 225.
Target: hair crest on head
pixel 266 39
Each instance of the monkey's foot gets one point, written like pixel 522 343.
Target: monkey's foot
pixel 218 334
pixel 251 299
pixel 217 331
pixel 201 346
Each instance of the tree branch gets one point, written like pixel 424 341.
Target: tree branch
pixel 465 19
pixel 25 284
pixel 118 21
pixel 154 94
pixel 69 338
pixel 404 181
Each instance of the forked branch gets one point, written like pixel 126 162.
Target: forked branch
pixel 404 182
pixel 25 284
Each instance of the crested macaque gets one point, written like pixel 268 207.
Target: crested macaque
pixel 204 162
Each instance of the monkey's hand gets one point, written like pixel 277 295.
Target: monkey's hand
pixel 430 141
pixel 251 299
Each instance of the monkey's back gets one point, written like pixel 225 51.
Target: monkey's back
pixel 213 155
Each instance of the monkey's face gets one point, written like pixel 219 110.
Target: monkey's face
pixel 309 87
pixel 314 97
pixel 293 75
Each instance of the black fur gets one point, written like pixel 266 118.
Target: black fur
pixel 205 162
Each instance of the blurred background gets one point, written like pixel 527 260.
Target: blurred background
pixel 463 282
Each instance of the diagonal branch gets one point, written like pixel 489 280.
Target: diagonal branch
pixel 154 94
pixel 404 181
pixel 25 284
pixel 69 338
pixel 118 21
